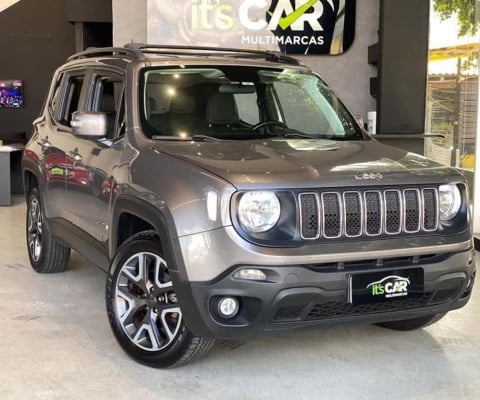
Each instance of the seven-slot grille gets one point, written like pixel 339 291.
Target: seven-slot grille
pixel 368 213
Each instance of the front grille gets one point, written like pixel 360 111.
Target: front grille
pixel 368 213
pixel 335 309
pixel 338 308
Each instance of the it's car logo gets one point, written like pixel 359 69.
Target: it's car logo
pixel 390 286
pixel 365 176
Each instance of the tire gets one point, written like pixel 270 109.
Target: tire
pixel 46 253
pixel 142 307
pixel 412 324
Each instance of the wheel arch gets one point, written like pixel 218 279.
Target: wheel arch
pixel 30 181
pixel 131 215
pixel 161 220
pixel 31 176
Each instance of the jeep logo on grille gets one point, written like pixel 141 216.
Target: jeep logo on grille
pixel 365 176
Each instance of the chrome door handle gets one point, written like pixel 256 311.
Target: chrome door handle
pixel 44 144
pixel 76 155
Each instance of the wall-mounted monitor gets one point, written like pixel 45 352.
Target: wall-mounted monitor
pixel 11 94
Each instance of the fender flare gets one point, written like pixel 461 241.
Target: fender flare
pixel 161 220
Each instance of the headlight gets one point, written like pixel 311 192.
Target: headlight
pixel 450 201
pixel 259 211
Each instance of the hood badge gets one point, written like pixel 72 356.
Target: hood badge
pixel 368 176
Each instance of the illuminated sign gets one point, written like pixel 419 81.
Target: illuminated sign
pixel 292 26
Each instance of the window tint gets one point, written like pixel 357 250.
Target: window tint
pixel 247 107
pixel 228 102
pixel 106 99
pixel 302 113
pixel 72 98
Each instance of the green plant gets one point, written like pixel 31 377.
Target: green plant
pixel 465 10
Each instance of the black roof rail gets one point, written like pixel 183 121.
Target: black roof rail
pixel 103 51
pixel 274 56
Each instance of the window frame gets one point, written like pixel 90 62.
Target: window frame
pixel 91 97
pixel 59 110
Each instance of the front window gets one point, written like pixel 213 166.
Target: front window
pixel 241 103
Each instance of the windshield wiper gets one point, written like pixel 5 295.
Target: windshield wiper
pixel 300 135
pixel 195 138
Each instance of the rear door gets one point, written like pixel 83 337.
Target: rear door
pixel 54 141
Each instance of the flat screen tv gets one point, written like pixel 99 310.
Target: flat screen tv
pixel 11 94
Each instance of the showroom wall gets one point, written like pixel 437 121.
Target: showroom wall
pixel 35 37
pixel 349 74
pixel 38 36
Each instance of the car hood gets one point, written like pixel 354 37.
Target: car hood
pixel 306 163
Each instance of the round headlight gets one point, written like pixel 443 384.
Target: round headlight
pixel 259 211
pixel 450 201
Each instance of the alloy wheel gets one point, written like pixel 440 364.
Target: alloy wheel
pixel 145 302
pixel 35 229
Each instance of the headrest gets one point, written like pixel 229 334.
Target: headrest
pixel 221 109
pixel 182 104
pixel 107 103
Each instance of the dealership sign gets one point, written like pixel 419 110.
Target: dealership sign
pixel 292 26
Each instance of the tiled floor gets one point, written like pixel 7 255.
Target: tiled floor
pixel 55 343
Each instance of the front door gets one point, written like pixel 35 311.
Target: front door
pixel 94 159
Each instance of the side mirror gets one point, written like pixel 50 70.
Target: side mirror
pixel 89 124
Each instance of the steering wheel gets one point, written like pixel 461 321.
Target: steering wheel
pixel 266 123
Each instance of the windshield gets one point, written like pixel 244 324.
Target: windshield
pixel 241 103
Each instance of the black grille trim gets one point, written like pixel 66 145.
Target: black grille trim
pixel 392 218
pixel 431 212
pixel 354 219
pixel 332 215
pixel 368 213
pixel 413 210
pixel 340 308
pixel 309 211
pixel 374 213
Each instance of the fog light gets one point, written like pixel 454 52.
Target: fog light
pixel 250 274
pixel 228 307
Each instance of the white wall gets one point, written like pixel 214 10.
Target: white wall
pixel 129 21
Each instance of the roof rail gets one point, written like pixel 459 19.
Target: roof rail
pixel 102 51
pixel 274 56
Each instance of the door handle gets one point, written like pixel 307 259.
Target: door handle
pixel 76 155
pixel 44 143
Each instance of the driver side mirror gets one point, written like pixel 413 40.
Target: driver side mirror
pixel 89 124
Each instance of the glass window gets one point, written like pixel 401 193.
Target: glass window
pixel 107 96
pixel 238 102
pixel 72 98
pixel 247 108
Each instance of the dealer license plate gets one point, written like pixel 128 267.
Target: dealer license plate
pixel 375 287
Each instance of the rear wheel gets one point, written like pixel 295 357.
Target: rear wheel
pixel 46 253
pixel 413 323
pixel 143 309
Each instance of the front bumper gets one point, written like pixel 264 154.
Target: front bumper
pixel 307 295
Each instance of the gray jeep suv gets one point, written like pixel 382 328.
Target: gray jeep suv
pixel 229 193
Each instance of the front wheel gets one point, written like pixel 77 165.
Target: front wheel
pixel 143 309
pixel 413 323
